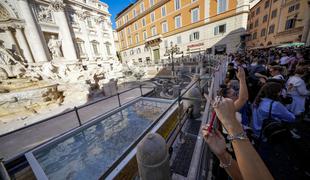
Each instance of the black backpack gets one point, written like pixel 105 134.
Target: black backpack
pixel 274 130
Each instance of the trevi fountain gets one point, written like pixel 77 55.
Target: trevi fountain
pixel 54 55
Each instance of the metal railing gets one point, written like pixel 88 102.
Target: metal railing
pixel 171 137
pixel 16 143
pixel 175 102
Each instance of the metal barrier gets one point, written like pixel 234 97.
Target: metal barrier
pixel 15 143
pixel 171 138
pixel 133 145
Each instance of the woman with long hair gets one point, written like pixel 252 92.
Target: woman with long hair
pixel 269 97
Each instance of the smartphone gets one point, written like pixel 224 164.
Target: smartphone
pixel 211 121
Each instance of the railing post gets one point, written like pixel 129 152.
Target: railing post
pixel 141 90
pixel 77 115
pixel 3 172
pixel 179 105
pixel 119 100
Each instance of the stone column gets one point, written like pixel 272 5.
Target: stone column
pixel 23 45
pixel 102 41
pixel 68 47
pixel 85 32
pixel 33 34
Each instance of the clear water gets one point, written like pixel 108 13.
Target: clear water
pixel 88 153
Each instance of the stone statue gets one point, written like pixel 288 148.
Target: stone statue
pixel 54 46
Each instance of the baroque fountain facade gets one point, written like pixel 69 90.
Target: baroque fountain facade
pixel 53 53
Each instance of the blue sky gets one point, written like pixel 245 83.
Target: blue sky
pixel 116 6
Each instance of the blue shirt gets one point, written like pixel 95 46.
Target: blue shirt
pixel 278 112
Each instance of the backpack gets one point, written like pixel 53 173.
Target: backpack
pixel 274 131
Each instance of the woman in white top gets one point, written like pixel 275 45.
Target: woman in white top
pixel 296 87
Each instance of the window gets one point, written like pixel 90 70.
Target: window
pixel 179 39
pixel 137 38
pixel 107 46
pixel 256 23
pixel 263 32
pixel 290 24
pixel 265 18
pixel 130 40
pixel 166 43
pixel 267 4
pixel 134 13
pixel 153 30
pixel 144 35
pixel 124 54
pixel 220 29
pixel 293 8
pixel 195 15
pixel 271 29
pixel 257 10
pixel 138 52
pixel 127 18
pixel 143 22
pixel 254 35
pixel 95 47
pixel 153 16
pixel 177 22
pixel 164 27
pixel 163 11
pixel 152 2
pixel 275 1
pixel 221 6
pixel 274 13
pixel 89 23
pixel 142 7
pixel 177 4
pixel 81 47
pixel 136 26
pixel 251 26
pixel 194 36
pixel 131 52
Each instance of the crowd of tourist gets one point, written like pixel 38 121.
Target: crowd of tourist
pixel 264 96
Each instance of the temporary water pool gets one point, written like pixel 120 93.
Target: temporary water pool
pixel 87 152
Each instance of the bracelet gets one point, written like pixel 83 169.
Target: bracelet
pixel 222 165
pixel 240 136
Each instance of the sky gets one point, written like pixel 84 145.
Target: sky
pixel 116 6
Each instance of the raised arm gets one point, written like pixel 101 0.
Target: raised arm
pixel 217 144
pixel 243 90
pixel 259 75
pixel 250 164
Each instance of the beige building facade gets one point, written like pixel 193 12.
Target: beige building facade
pixel 147 27
pixel 274 22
